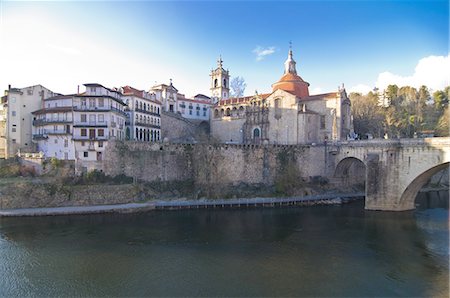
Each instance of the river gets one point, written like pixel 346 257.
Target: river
pixel 290 251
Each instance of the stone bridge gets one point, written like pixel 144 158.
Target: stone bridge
pixel 393 170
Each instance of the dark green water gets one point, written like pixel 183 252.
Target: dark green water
pixel 313 251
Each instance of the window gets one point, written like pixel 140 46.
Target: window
pixel 13 141
pixel 13 129
pixel 277 108
pixel 204 113
pixel 56 141
pixel 66 155
pixel 83 117
pixel 83 132
pixel 322 122
pixel 101 102
pixel 55 127
pixel 101 133
pixel 92 118
pixel 83 144
pixel 100 144
pixel 101 118
pixel 66 143
pixel 83 102
pixel 86 154
pixel 13 113
pixel 198 113
pixel 190 112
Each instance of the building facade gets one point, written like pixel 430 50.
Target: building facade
pixel 53 127
pixel 16 121
pixel 287 115
pixel 78 126
pixel 167 95
pixel 197 108
pixel 143 115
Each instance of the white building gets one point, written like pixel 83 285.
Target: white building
pixel 17 105
pixel 144 115
pixel 167 95
pixel 53 127
pixel 78 126
pixel 198 108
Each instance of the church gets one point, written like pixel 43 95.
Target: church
pixel 288 115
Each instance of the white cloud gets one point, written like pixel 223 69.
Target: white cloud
pixel 261 52
pixel 360 88
pixel 431 71
pixel 65 50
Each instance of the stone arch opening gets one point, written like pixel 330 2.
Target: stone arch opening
pixel 409 195
pixel 350 172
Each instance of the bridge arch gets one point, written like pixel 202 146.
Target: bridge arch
pixel 350 171
pixel 408 196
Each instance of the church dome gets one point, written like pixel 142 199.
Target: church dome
pixel 290 81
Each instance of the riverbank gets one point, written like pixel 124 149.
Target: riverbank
pixel 326 199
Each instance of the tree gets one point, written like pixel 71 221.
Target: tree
pixel 367 115
pixel 238 86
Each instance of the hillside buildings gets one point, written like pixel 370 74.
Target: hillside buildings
pixel 287 115
pixel 79 126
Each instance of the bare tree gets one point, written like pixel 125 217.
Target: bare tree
pixel 237 85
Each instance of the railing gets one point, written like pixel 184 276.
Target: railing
pixel 57 132
pixel 147 112
pixel 39 122
pixel 88 138
pixel 40 137
pixel 90 124
pixel 119 111
pixel 139 123
pixel 91 108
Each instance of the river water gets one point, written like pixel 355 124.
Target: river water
pixel 291 251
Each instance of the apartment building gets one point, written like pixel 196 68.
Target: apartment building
pixel 144 115
pixel 167 95
pixel 16 118
pixel 197 108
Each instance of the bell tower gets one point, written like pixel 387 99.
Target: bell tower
pixel 220 82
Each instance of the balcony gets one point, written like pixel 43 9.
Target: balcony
pixel 90 124
pixel 119 111
pixel 58 132
pixel 139 123
pixel 91 109
pixel 88 138
pixel 41 122
pixel 37 137
pixel 147 112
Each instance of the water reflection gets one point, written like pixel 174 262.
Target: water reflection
pixel 316 251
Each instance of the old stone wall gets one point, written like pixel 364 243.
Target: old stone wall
pixel 211 164
pixel 37 195
pixel 177 129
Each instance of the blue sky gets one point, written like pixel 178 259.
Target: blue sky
pixel 360 43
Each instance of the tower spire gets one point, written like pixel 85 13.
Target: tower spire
pixel 289 65
pixel 219 62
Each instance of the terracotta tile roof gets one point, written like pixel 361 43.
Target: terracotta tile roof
pixel 128 90
pixel 52 110
pixel 234 100
pixel 325 96
pixel 60 96
pixel 195 101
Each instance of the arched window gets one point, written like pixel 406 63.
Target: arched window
pixel 215 83
pixel 234 112
pixel 256 133
pixel 228 112
pixel 140 134
pixel 216 113
pixel 158 136
pixel 241 111
pixel 140 105
pixel 277 104
pixel 136 136
pixel 225 83
pixel 222 112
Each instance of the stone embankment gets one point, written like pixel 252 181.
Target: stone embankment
pixel 327 199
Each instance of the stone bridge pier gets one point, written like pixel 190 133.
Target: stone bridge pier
pixel 395 170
